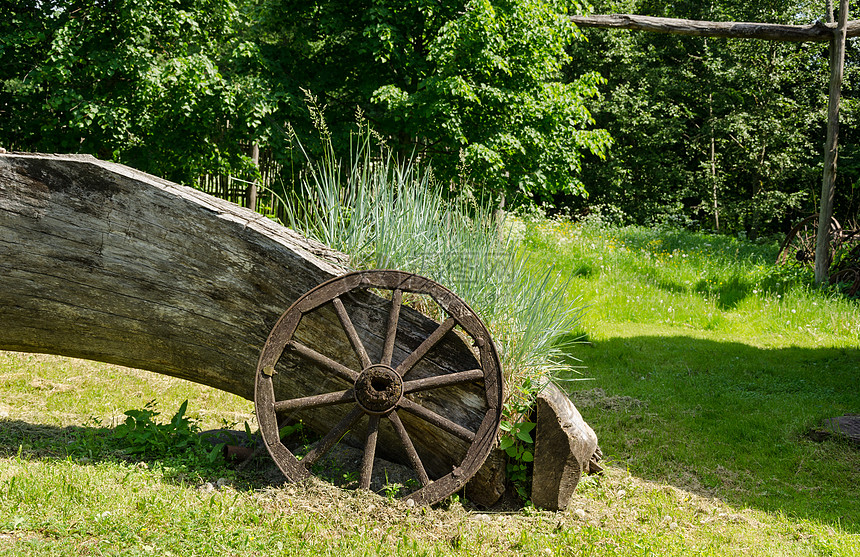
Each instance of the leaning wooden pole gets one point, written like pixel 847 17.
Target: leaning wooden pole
pixel 825 213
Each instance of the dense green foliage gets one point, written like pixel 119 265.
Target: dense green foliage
pixel 716 133
pixel 476 86
pixel 175 88
pixel 168 88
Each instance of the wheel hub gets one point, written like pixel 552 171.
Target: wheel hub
pixel 378 389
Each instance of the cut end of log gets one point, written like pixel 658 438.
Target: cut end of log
pixel 565 446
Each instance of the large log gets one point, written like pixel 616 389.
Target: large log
pixel 816 32
pixel 102 262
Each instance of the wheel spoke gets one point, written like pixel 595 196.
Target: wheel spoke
pixel 414 459
pixel 438 420
pixel 349 328
pixel 315 401
pixel 425 346
pixel 339 369
pixel 443 380
pixel 332 437
pixel 393 318
pixel 369 452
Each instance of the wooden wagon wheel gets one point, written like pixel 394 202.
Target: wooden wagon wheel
pixel 380 389
pixel 849 277
pixel 846 268
pixel 798 247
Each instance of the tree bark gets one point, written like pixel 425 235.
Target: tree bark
pixel 816 32
pixel 101 262
pixel 837 65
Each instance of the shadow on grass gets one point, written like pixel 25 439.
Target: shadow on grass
pixel 728 294
pixel 89 445
pixel 728 420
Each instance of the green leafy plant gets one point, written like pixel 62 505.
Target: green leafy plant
pixel 288 430
pixel 179 438
pixel 518 443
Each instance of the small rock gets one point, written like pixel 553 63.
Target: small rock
pixel 579 513
pixel 621 493
pixel 221 482
pixel 410 503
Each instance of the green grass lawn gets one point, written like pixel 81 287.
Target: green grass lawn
pixel 703 370
pixel 707 367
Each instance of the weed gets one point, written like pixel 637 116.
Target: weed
pixel 518 443
pixel 178 440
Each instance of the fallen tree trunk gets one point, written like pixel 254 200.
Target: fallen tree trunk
pixel 101 262
pixel 815 32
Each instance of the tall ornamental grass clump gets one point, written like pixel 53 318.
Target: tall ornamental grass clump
pixel 384 212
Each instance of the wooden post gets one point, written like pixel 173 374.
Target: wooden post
pixel 817 31
pixel 713 155
pixel 252 188
pixel 837 64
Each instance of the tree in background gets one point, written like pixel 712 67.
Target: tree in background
pixel 475 87
pixel 713 133
pixel 497 94
pixel 173 88
pixel 169 88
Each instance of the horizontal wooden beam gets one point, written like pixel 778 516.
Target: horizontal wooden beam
pixel 815 32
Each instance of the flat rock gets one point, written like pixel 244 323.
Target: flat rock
pixel 564 447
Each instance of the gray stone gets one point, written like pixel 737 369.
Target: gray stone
pixel 564 447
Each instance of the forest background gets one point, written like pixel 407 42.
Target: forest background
pixel 501 97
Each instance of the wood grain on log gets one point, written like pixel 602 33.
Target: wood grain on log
pixel 815 32
pixel 101 262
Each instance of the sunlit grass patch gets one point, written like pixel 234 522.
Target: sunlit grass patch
pixel 692 280
pixel 733 359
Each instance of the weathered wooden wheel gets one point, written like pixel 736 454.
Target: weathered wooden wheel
pixel 381 388
pixel 850 277
pixel 798 247
pixel 846 266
